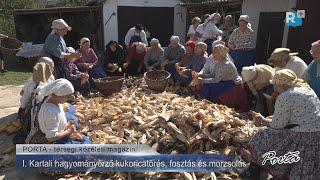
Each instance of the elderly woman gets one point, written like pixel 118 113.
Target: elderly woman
pixel 211 32
pixel 292 132
pixel 89 61
pixel 258 78
pixel 173 54
pixel 55 47
pixel 220 80
pixel 200 29
pixel 312 74
pixel 241 43
pixel 195 64
pixel 281 58
pixel 136 34
pixel 42 74
pixel 196 21
pixel 114 59
pixel 135 60
pixel 51 118
pixel 184 62
pixel 79 80
pixel 154 55
pixel 227 28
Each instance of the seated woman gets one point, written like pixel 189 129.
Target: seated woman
pixel 89 61
pixel 312 75
pixel 196 63
pixel 184 62
pixel 241 44
pixel 154 55
pixel 135 60
pixel 172 55
pixel 114 60
pixel 79 80
pixel 293 132
pixel 220 80
pixel 51 118
pixel 42 74
pixel 258 79
pixel 282 58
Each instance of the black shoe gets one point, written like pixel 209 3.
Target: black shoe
pixel 3 71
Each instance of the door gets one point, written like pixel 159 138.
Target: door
pixel 270 34
pixel 158 21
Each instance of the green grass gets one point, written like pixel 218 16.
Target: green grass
pixel 19 71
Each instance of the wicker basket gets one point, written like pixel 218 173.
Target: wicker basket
pixel 109 85
pixel 157 80
pixel 9 45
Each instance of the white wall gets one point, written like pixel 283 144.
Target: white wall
pixel 111 6
pixel 254 7
pixel 111 28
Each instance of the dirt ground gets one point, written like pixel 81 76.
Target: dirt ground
pixel 9 105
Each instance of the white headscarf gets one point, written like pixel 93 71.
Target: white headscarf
pixel 59 87
pixel 175 38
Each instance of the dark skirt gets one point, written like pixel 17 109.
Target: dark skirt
pixel 184 81
pixel 283 142
pixel 59 68
pixel 135 68
pixel 261 106
pixel 83 89
pixel 243 58
pixel 226 93
pixel 209 45
pixel 95 73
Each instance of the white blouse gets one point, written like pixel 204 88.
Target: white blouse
pixel 297 65
pixel 52 119
pixel 191 32
pixel 28 89
pixel 211 31
pixel 300 106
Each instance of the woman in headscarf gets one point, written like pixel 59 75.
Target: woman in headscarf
pixel 154 55
pixel 52 122
pixel 79 80
pixel 312 74
pixel 258 78
pixel 241 44
pixel 115 57
pixel 282 58
pixel 135 60
pixel 288 147
pixel 211 32
pixel 220 81
pixel 200 29
pixel 55 47
pixel 196 21
pixel 42 74
pixel 196 62
pixel 172 55
pixel 227 28
pixel 89 61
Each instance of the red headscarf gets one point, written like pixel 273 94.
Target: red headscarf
pixel 190 44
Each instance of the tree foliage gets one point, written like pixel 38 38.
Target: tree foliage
pixel 7 7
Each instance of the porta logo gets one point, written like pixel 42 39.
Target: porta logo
pixel 294 19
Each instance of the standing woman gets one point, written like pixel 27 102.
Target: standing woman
pixel 211 31
pixel 196 21
pixel 136 34
pixel 220 80
pixel 114 59
pixel 241 43
pixel 89 61
pixel 55 47
pixel 154 55
pixel 293 132
pixel 312 75
pixel 227 28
